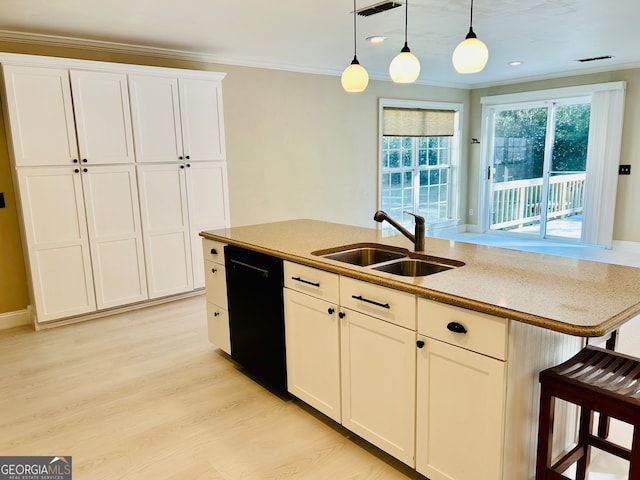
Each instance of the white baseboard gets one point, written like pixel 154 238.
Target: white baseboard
pixel 15 319
pixel 626 247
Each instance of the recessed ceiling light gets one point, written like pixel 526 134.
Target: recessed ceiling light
pixel 376 39
pixel 516 63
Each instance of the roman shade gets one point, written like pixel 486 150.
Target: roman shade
pixel 417 122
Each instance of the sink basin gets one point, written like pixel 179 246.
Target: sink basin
pixel 390 259
pixel 412 268
pixel 365 256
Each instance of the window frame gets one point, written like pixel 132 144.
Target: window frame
pixel 454 192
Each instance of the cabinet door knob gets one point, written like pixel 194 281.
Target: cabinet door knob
pixel 84 160
pixel 85 170
pixel 420 343
pixel 75 160
pixel 77 170
pixel 214 270
pixel 342 314
pixel 330 310
pixel 214 251
pixel 187 157
pixel 188 164
pixel 181 166
pixel 180 157
pixel 456 327
pixel 216 314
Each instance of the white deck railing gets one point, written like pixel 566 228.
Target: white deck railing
pixel 519 203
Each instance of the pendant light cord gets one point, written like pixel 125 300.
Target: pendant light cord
pixel 406 19
pixel 471 16
pixel 355 54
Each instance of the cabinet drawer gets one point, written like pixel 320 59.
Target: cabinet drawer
pixel 213 251
pixel 218 327
pixel 485 334
pixel 381 302
pixel 215 280
pixel 311 281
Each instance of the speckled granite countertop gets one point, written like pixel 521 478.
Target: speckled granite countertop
pixel 576 297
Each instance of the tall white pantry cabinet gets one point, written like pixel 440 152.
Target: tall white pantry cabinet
pixel 117 169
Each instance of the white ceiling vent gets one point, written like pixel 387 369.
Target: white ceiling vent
pixel 377 8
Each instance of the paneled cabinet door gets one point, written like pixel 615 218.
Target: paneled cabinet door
pixel 177 119
pixel 208 204
pixel 378 383
pixel 460 413
pixel 57 241
pixel 115 234
pixel 40 115
pixel 312 338
pixel 103 121
pixel 155 110
pixel 202 119
pixel 165 227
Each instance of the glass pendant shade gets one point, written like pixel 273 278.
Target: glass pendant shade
pixel 354 78
pixel 405 67
pixel 471 55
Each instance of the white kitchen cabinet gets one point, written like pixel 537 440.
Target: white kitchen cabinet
pixel 312 338
pixel 216 292
pixel 178 201
pixel 115 234
pixel 208 206
pixel 459 413
pixel 165 226
pixel 40 120
pixel 120 248
pixel 177 118
pixel 57 242
pixel 84 243
pixel 103 122
pixel 378 383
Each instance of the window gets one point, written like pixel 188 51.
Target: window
pixel 419 156
pixel 552 158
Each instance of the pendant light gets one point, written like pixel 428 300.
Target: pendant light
pixel 354 78
pixel 405 67
pixel 471 55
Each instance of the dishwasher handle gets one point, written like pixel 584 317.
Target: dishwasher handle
pixel 262 271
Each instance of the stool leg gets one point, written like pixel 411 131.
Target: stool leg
pixel 545 433
pixel 586 424
pixel 634 463
pixel 604 421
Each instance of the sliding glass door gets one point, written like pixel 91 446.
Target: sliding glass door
pixel 538 168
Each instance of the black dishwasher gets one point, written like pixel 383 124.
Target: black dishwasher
pixel 256 314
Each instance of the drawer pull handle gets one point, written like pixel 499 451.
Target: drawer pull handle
pixel 456 327
pixel 373 302
pixel 330 311
pixel 214 251
pixel 298 279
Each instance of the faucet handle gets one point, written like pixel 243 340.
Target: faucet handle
pixel 419 219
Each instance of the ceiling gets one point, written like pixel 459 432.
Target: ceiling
pixel 549 36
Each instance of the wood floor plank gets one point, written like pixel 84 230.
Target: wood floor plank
pixel 143 395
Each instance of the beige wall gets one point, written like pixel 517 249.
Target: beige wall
pixel 627 221
pixel 297 146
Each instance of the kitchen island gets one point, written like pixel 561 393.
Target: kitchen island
pixel 483 331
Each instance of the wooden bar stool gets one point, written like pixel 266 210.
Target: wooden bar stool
pixel 597 380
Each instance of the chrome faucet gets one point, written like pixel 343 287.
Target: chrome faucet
pixel 417 239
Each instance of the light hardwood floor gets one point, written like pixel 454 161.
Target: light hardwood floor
pixel 143 395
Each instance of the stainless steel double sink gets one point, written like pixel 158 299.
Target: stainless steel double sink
pixel 385 258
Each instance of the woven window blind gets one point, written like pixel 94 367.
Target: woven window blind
pixel 417 122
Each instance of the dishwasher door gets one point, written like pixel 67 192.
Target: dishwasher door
pixel 256 314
